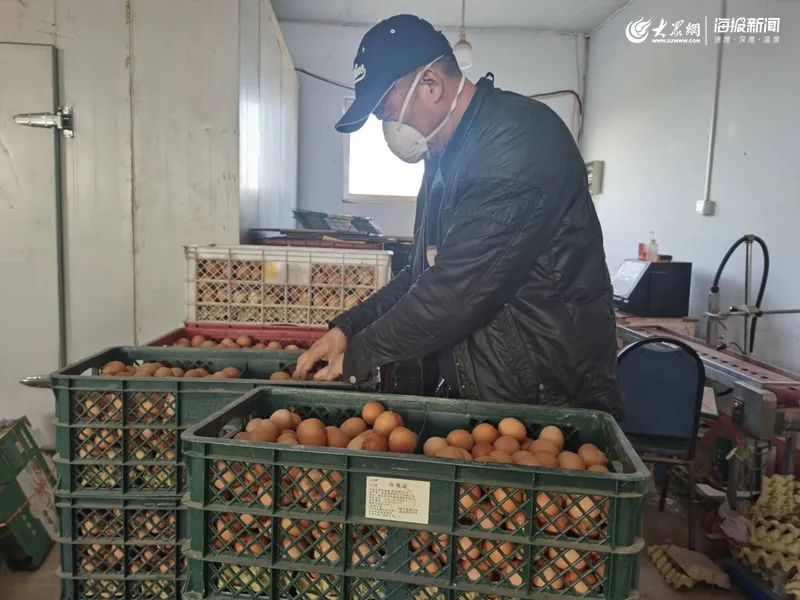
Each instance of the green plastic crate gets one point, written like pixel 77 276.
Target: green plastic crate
pixel 18 449
pixel 270 521
pixel 24 539
pixel 120 588
pixel 121 548
pixel 122 434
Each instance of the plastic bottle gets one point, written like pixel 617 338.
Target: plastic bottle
pixel 652 248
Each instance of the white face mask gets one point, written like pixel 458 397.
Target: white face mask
pixel 407 143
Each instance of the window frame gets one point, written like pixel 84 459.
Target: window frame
pixel 349 198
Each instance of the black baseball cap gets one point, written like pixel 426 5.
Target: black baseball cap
pixel 387 52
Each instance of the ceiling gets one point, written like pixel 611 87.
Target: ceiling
pixel 580 16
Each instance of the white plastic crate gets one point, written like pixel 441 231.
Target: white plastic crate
pixel 274 285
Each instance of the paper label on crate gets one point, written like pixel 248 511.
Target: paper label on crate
pixel 403 500
pixel 37 490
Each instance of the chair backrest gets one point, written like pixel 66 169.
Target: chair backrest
pixel 662 381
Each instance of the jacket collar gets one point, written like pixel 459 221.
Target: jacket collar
pixel 453 150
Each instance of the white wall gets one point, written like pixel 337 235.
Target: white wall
pixel 527 62
pixel 647 116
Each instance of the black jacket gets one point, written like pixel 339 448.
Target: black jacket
pixel 519 291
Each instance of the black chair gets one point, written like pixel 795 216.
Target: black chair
pixel 662 380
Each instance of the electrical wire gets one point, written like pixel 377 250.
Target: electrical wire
pixel 325 79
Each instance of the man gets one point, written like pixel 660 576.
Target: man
pixel 508 285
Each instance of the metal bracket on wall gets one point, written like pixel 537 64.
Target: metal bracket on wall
pixel 61 120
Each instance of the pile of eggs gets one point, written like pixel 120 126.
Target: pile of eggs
pixel 117 368
pixel 243 341
pixel 509 443
pixel 376 430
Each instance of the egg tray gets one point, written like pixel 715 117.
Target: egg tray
pixel 269 483
pixel 780 496
pixel 112 431
pixel 303 337
pixel 271 285
pixel 116 587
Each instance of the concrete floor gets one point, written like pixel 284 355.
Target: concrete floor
pixel 669 526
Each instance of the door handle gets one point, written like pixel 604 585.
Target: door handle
pixel 61 120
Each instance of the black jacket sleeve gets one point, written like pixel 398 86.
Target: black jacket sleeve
pixel 358 317
pixel 499 228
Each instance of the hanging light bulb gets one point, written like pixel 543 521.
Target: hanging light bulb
pixel 463 49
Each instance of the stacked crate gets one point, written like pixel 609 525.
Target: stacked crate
pixel 279 286
pixel 121 466
pixel 271 521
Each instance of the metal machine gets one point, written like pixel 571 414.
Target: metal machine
pixel 766 398
pixel 715 319
pixel 653 289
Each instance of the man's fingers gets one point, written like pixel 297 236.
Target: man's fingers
pixel 307 360
pixel 322 374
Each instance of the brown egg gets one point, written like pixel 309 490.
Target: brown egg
pixel 228 343
pixel 485 433
pixel 163 372
pixel 203 372
pixel 529 461
pixel 591 454
pixel 296 419
pixel 513 427
pixel 460 438
pixel 353 426
pixel 114 367
pixel 386 422
pixel 433 445
pixel 252 424
pixel 280 376
pixel 336 437
pixel 259 346
pixel 469 548
pixel 553 434
pixel 274 346
pixel 375 442
pixel 402 440
pixel 282 419
pixel 546 460
pixel 520 455
pixel 197 341
pixel 371 411
pixel 245 341
pixel 597 468
pixel 193 373
pixel 481 449
pixel 292 348
pixel 265 431
pixel 450 452
pixel 544 446
pixel 218 375
pixel 466 455
pixel 547 577
pixel 357 442
pixel 177 372
pixel 183 342
pixel 501 456
pixel 231 372
pixel 242 435
pixel 570 460
pixel 507 444
pixel 287 438
pixel 208 344
pixel 566 559
pixel 311 432
pixel 526 444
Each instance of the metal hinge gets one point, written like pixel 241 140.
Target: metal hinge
pixel 61 120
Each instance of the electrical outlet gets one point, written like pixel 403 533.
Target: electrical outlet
pixel 705 207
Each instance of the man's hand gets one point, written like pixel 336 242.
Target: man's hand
pixel 328 347
pixel 332 372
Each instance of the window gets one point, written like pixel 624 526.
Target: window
pixel 372 173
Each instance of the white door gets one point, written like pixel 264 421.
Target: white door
pixel 29 311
